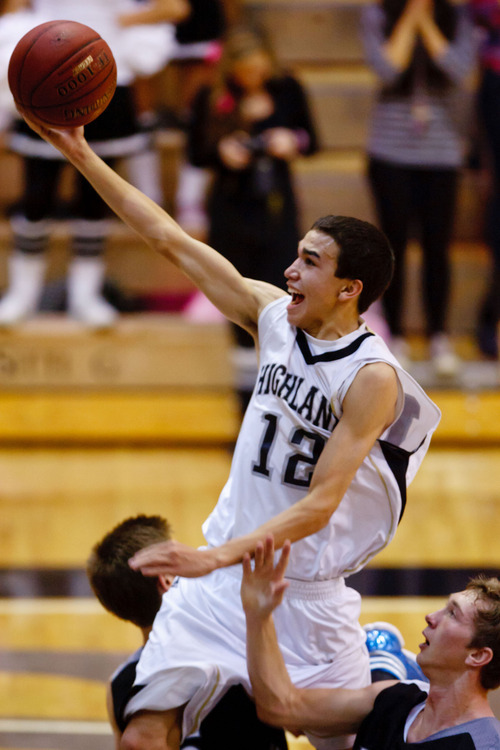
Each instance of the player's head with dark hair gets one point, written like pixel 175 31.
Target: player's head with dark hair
pixel 487 624
pixel 364 254
pixel 124 592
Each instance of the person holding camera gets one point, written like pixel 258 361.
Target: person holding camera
pixel 247 128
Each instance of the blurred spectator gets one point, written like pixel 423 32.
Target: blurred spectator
pixel 422 52
pixel 486 14
pixel 195 51
pixel 140 45
pixel 248 128
pixel 199 46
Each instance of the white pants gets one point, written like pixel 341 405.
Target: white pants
pixel 197 648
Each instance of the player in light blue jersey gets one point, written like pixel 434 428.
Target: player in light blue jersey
pixel 459 655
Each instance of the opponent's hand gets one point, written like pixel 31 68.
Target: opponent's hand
pixel 173 558
pixel 263 587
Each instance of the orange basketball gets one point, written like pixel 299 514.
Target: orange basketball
pixel 62 72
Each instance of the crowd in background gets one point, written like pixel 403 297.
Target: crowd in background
pixel 245 120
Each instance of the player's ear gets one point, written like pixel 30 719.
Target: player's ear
pixel 479 657
pixel 164 583
pixel 352 288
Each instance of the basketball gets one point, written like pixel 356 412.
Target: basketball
pixel 63 73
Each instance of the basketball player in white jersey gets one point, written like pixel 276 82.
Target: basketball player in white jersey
pixel 334 432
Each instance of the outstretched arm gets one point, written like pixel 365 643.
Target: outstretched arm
pixel 324 712
pixel 239 299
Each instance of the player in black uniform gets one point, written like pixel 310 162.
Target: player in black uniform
pixel 460 656
pixel 136 598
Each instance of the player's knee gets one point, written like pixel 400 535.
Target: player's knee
pixel 130 739
pixel 153 730
pixel 136 737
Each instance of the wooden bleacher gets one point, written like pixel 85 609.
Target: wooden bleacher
pixel 158 379
pixel 164 378
pixel 319 41
pixel 153 378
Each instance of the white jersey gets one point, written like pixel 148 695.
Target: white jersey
pixel 295 406
pixel 197 648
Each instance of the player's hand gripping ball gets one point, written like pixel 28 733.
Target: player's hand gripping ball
pixel 63 73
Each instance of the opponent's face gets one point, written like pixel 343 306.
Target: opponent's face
pixel 313 285
pixel 448 634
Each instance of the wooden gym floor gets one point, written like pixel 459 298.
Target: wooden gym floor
pixel 58 496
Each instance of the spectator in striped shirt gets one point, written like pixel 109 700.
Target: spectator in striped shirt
pixel 421 51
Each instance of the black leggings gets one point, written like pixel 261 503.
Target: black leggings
pixel 42 178
pixel 412 199
pixel 489 106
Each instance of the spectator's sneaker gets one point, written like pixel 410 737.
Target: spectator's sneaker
pixel 445 362
pixel 385 646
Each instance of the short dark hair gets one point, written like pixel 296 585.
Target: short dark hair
pixel 364 254
pixel 487 623
pixel 124 592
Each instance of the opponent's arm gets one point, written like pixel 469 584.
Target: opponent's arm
pixel 324 712
pixel 368 409
pixel 239 299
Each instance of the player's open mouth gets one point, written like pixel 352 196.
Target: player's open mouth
pixel 296 298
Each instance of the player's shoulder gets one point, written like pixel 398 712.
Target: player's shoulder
pixel 378 376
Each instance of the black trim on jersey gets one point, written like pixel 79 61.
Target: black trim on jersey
pixel 311 358
pixel 232 722
pixel 383 728
pixel 121 692
pixel 397 459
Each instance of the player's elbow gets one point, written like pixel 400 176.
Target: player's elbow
pixel 269 715
pixel 321 503
pixel 319 515
pixel 323 517
pixel 277 712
